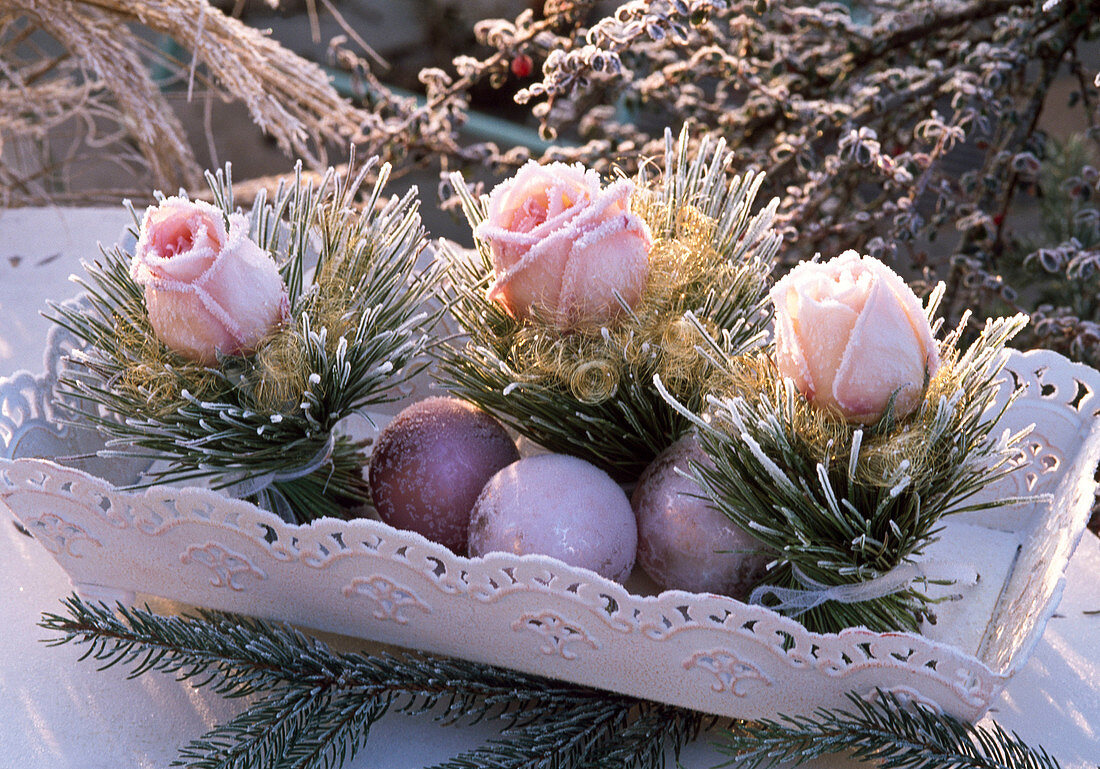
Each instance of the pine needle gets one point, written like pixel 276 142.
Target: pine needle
pixel 885 730
pixel 360 328
pixel 314 707
pixel 838 505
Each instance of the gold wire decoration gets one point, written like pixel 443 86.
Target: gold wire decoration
pixel 280 370
pixel 155 375
pixel 594 381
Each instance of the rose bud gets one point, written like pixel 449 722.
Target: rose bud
pixel 207 291
pixel 563 247
pixel 852 335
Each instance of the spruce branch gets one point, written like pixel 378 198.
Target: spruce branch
pixel 570 737
pixel 313 708
pixel 887 730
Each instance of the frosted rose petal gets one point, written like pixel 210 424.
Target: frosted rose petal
pixel 207 291
pixel 789 356
pixel 879 360
pixel 247 295
pixel 562 247
pixel 181 320
pixel 601 264
pixel 822 328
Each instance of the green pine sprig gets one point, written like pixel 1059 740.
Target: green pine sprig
pixel 313 708
pixel 885 730
pixel 622 427
pixel 855 509
pixel 359 330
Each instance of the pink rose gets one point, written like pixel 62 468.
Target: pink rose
pixel 563 247
pixel 851 334
pixel 207 291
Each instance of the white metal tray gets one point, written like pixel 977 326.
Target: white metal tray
pixel 712 653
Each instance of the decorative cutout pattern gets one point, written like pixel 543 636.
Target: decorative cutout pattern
pixel 731 673
pixel 229 568
pixel 904 695
pixel 558 636
pixel 392 601
pixel 59 536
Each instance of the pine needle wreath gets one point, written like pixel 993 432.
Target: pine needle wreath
pixel 262 426
pixel 843 504
pixel 589 393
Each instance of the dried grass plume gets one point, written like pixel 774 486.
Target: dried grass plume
pixel 102 83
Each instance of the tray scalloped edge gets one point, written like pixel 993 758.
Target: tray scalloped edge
pixel 708 652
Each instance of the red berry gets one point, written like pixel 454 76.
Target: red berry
pixel 522 66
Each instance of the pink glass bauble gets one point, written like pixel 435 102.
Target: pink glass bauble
pixel 557 505
pixel 430 463
pixel 683 543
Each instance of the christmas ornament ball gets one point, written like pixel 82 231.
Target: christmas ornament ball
pixel 683 543
pixel 430 463
pixel 561 506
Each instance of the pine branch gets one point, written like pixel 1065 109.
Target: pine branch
pixel 888 731
pixel 564 741
pixel 649 738
pixel 239 655
pixel 314 708
pixel 260 426
pixel 589 393
pixel 840 505
pixel 260 735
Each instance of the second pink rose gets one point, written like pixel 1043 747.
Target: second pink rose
pixel 563 246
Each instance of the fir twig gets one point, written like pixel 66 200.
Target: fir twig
pixel 315 707
pixel 886 730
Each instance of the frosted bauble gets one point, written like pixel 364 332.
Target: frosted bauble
pixel 557 505
pixel 430 463
pixel 685 544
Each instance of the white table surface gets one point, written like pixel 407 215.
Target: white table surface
pixel 57 712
